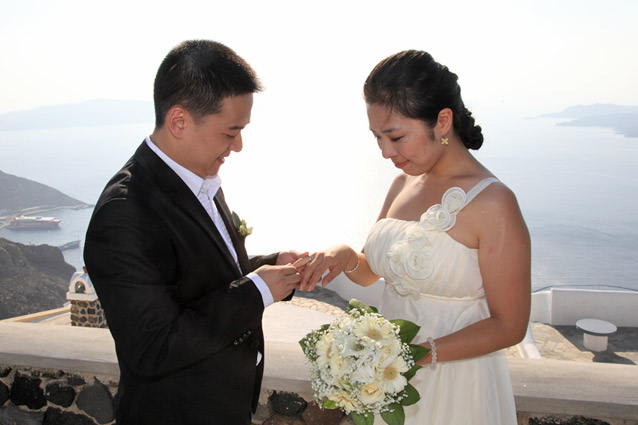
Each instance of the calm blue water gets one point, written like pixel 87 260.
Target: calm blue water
pixel 305 189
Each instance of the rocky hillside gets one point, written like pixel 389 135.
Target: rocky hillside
pixel 17 193
pixel 33 278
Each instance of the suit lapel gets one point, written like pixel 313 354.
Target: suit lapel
pixel 238 243
pixel 184 198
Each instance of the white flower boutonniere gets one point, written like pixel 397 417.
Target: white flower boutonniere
pixel 241 226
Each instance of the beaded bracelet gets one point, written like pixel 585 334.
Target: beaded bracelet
pixel 355 267
pixel 433 352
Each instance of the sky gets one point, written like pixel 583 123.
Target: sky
pixel 529 56
pixel 309 136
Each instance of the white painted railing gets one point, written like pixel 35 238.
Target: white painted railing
pixel 565 306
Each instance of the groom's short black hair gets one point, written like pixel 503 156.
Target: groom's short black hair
pixel 198 75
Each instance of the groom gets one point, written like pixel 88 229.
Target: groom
pixel 181 297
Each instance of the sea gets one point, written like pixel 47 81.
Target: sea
pixel 310 185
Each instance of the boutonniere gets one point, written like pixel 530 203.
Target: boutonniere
pixel 241 226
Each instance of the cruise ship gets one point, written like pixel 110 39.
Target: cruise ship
pixel 26 222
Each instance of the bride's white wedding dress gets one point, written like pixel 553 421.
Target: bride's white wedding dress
pixel 435 282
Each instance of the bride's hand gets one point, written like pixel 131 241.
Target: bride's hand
pixel 336 259
pixel 295 258
pixel 298 260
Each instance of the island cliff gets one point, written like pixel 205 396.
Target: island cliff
pixel 17 194
pixel 33 278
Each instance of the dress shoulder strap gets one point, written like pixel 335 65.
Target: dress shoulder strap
pixel 478 188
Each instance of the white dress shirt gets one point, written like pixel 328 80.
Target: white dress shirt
pixel 211 185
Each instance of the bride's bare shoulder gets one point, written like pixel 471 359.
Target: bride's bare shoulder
pixel 395 188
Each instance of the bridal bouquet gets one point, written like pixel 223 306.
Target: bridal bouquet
pixel 362 363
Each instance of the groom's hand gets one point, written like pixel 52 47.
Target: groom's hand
pixel 281 280
pixel 290 257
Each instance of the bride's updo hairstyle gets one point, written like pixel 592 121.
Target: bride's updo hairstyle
pixel 414 84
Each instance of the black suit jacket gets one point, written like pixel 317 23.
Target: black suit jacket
pixel 186 324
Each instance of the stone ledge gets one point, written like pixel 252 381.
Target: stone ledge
pixel 286 370
pixel 540 386
pixel 75 349
pixel 575 388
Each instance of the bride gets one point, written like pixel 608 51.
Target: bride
pixel 450 243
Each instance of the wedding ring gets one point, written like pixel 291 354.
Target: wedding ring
pixel 309 258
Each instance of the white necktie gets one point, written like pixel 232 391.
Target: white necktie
pixel 206 199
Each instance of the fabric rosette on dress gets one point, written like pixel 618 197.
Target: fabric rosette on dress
pixel 362 363
pixel 442 217
pixel 411 258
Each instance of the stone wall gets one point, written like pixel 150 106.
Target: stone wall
pixel 87 314
pixel 31 396
pixel 48 397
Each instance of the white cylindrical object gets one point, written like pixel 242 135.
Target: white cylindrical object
pixel 595 343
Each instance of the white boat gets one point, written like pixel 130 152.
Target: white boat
pixel 24 222
pixel 70 245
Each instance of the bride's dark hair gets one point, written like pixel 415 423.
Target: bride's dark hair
pixel 414 84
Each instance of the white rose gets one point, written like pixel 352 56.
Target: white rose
pixel 371 393
pixel 411 257
pixel 396 255
pixel 438 218
pixel 416 236
pixel 418 264
pixel 453 200
pixel 343 400
pixel 337 368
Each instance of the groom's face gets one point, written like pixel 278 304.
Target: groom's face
pixel 210 139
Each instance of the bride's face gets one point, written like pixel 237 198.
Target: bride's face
pixel 407 142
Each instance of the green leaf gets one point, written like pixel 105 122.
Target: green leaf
pixel 361 306
pixel 408 330
pixel 236 220
pixel 329 404
pixel 412 396
pixel 360 419
pixel 418 351
pixel 410 373
pixel 397 417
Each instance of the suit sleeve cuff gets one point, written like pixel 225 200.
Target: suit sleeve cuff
pixel 266 295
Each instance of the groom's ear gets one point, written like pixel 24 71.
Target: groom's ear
pixel 176 119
